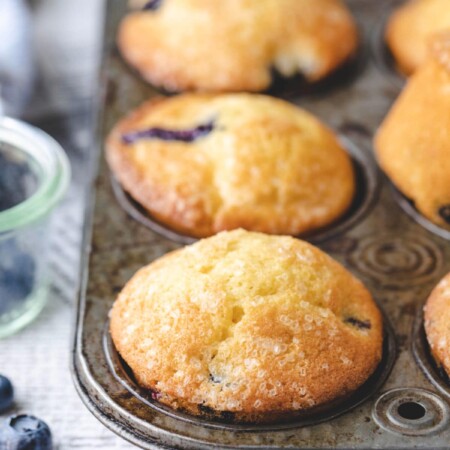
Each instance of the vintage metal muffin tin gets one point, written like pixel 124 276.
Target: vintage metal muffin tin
pixel 400 257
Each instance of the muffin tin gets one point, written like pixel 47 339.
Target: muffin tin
pixel 397 255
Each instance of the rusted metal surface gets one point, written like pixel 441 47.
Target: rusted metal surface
pixel 394 253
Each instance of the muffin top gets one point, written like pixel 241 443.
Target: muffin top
pixel 249 324
pixel 204 163
pixel 411 28
pixel 437 320
pixel 233 45
pixel 413 143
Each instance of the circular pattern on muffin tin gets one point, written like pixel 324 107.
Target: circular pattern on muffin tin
pixel 397 262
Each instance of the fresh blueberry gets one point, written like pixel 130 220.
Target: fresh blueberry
pixel 152 5
pixel 25 433
pixel 444 212
pixel 169 135
pixel 361 324
pixel 17 182
pixel 6 394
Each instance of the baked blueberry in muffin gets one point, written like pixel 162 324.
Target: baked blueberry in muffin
pixel 204 163
pixel 413 142
pixel 249 327
pixel 234 45
pixel 411 28
pixel 437 319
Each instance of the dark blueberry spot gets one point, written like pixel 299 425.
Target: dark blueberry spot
pixel 169 135
pixel 215 379
pixel 362 324
pixel 228 416
pixel 206 410
pixel 25 433
pixel 6 394
pixel 155 395
pixel 444 212
pixel 17 275
pixel 152 5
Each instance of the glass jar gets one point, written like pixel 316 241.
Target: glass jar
pixel 34 175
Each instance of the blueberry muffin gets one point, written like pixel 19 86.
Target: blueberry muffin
pixel 234 45
pixel 204 163
pixel 410 29
pixel 247 327
pixel 413 142
pixel 437 320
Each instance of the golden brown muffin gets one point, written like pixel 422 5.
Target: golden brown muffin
pixel 233 45
pixel 248 326
pixel 413 142
pixel 437 320
pixel 206 163
pixel 410 29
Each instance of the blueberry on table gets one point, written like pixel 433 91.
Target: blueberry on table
pixel 6 394
pixel 25 432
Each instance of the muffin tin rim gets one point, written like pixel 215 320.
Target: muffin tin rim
pixel 424 359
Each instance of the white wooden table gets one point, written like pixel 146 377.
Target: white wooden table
pixel 68 40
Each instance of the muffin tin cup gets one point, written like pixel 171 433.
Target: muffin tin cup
pixel 408 207
pixel 367 181
pixel 343 76
pixel 394 254
pixel 421 350
pixel 382 55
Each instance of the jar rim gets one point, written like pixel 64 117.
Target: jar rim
pixel 52 162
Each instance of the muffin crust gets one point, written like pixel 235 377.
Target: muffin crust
pixel 259 163
pixel 233 45
pixel 413 142
pixel 248 326
pixel 411 28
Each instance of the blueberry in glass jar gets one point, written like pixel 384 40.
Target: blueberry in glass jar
pixel 17 275
pixel 17 183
